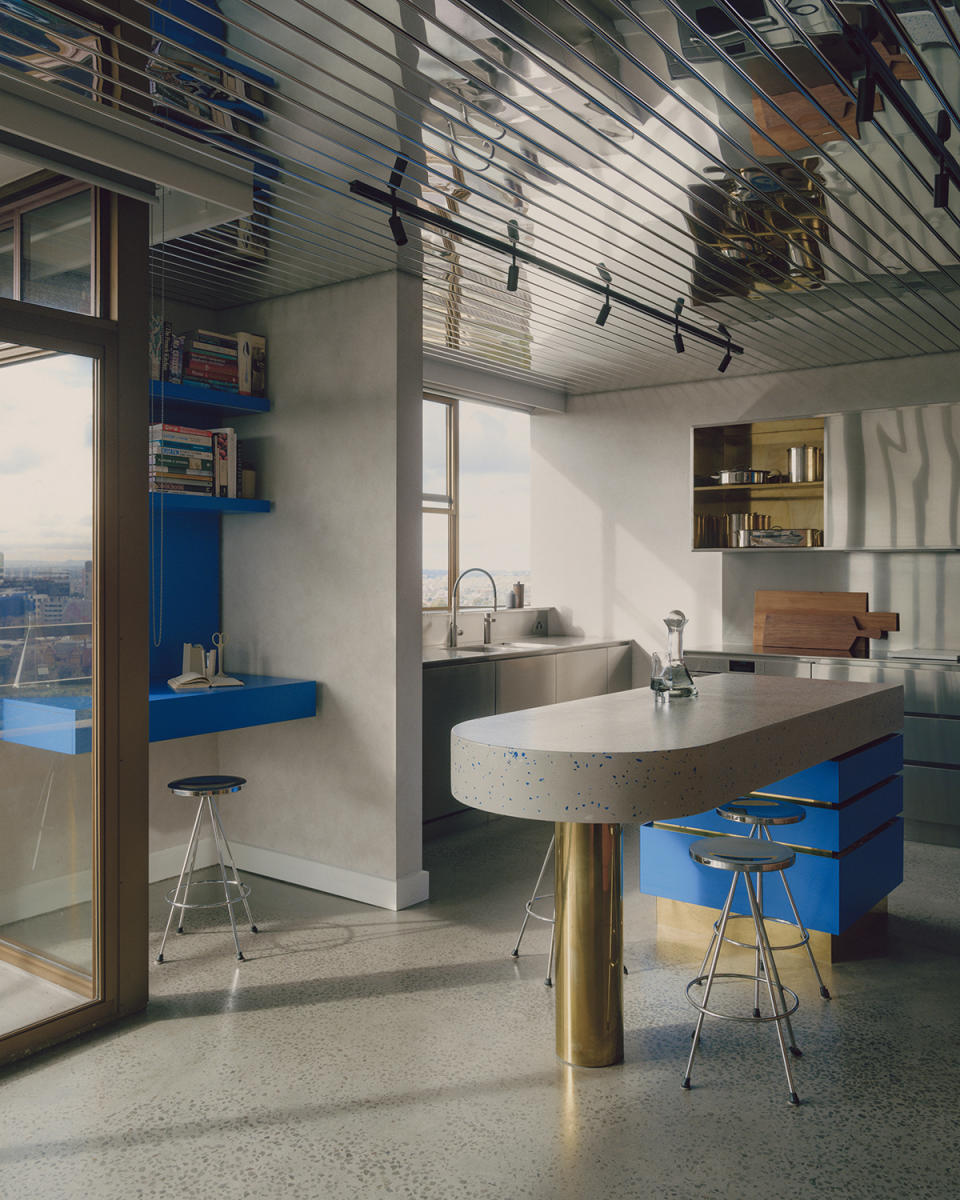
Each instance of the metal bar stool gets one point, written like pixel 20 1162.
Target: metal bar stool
pixel 745 857
pixel 535 896
pixel 204 788
pixel 760 814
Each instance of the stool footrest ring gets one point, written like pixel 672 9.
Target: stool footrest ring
pixel 766 921
pixel 535 900
pixel 242 891
pixel 752 1020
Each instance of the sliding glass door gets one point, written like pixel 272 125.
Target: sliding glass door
pixel 50 868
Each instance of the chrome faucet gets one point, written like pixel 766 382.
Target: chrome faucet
pixel 487 620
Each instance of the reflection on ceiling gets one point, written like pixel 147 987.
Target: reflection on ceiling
pixel 785 167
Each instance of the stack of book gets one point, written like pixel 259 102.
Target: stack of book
pixel 181 460
pixel 210 358
pixel 231 361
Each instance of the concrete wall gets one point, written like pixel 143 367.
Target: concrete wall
pixel 611 500
pixel 325 587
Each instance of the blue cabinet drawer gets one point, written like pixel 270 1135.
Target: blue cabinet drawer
pixel 838 779
pixel 831 891
pixel 824 827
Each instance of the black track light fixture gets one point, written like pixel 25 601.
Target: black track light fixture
pixel 396 178
pixel 727 354
pixel 677 335
pixel 513 271
pixel 607 279
pixel 517 254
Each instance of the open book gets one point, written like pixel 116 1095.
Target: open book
pixel 200 671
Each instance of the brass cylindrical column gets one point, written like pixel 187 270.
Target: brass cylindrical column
pixel 588 975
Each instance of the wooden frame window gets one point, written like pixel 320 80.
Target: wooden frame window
pixel 69 256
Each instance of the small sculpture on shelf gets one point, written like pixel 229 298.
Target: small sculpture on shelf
pixel 670 680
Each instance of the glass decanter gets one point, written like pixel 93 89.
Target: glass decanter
pixel 671 679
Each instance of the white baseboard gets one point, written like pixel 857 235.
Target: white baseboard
pixel 166 864
pixel 338 881
pixel 48 895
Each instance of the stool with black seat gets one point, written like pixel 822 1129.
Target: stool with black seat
pixel 760 813
pixel 744 858
pixel 204 788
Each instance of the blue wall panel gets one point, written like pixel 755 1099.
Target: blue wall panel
pixel 185 585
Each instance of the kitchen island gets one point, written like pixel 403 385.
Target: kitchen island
pixel 591 765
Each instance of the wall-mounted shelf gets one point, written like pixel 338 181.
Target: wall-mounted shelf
pixel 217 403
pixel 772 491
pixel 63 723
pixel 183 502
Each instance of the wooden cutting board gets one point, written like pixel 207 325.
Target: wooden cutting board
pixel 818 622
pixel 805 602
pixel 834 633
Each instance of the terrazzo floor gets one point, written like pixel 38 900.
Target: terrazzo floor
pixel 363 1054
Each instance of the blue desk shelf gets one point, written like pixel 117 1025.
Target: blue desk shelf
pixel 263 700
pixel 63 723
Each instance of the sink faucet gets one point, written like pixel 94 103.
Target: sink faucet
pixel 487 620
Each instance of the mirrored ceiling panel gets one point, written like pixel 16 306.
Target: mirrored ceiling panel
pixel 775 177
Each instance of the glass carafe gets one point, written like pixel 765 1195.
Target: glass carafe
pixel 671 679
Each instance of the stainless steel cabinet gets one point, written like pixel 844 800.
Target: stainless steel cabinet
pixel 581 673
pixel 931 700
pixel 526 682
pixel 450 695
pixel 619 668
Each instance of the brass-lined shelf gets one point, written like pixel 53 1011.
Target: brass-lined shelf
pixel 774 491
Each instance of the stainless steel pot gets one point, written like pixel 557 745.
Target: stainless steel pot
pixel 742 475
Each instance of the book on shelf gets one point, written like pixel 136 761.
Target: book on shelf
pixel 203 371
pixel 225 465
pixel 252 364
pixel 227 354
pixel 180 436
pixel 168 457
pixel 199 670
pixel 162 485
pixel 207 337
pixel 195 474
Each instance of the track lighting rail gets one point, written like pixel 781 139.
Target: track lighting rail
pixel 390 200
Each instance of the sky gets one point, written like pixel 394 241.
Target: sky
pixel 494 489
pixel 46 459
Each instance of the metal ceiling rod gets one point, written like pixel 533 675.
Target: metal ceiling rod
pixel 892 329
pixel 378 196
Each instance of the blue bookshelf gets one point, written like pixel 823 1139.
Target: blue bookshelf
pixel 207 404
pixel 183 502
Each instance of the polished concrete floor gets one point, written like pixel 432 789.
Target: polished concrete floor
pixel 363 1054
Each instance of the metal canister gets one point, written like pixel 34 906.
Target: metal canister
pixel 814 463
pixel 797 456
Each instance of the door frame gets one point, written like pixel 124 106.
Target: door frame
pixel 117 340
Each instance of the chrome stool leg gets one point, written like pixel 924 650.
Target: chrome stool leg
pixel 534 897
pixel 233 866
pixel 186 890
pixel 191 851
pixel 223 877
pixel 804 932
pixel 715 942
pixel 770 971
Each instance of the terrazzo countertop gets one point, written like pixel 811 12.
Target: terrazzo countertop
pixel 625 757
pixel 519 648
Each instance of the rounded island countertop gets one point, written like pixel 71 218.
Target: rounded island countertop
pixel 627 757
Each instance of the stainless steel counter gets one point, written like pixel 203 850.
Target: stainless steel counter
pixel 520 648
